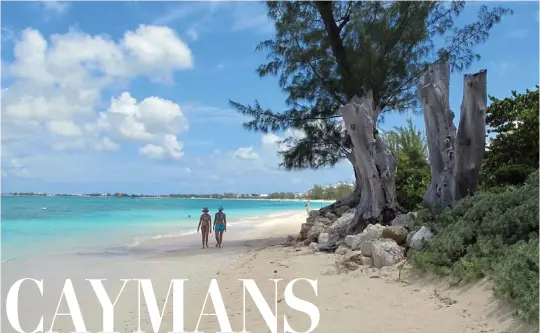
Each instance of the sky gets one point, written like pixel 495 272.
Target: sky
pixel 133 96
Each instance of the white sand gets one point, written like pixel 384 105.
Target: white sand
pixel 352 302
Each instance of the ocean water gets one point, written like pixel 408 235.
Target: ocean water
pixel 33 226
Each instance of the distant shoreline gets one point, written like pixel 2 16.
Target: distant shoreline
pixel 160 197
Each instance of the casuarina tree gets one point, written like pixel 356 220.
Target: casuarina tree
pixel 343 66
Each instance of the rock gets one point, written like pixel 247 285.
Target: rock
pixel 314 246
pixel 342 249
pixel 304 229
pixel 349 239
pixel 341 210
pixel 375 227
pixel 402 219
pixel 366 248
pixel 333 217
pixel 386 252
pixel 351 266
pixel 291 240
pixel 313 213
pixel 318 218
pixel 354 256
pixel 409 237
pixel 342 223
pixel 323 237
pixel 419 239
pixel 331 243
pixel 366 235
pixel 315 231
pixel 307 242
pixel 367 261
pixel 397 233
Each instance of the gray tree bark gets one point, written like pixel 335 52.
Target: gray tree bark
pixel 471 135
pixel 374 163
pixel 452 176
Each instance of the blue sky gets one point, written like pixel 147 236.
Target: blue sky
pixel 133 96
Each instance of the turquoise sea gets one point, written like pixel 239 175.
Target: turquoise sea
pixel 33 226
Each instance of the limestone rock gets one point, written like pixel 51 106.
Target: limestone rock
pixel 341 224
pixel 409 238
pixel 314 246
pixel 402 219
pixel 315 231
pixel 366 235
pixel 351 266
pixel 349 239
pixel 386 252
pixel 341 210
pixel 354 256
pixel 291 240
pixel 367 261
pixel 333 217
pixel 323 237
pixel 313 213
pixel 419 239
pixel 366 248
pixel 342 249
pixel 397 233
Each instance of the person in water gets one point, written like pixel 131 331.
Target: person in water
pixel 204 225
pixel 220 225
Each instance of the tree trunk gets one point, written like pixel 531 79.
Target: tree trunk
pixel 374 164
pixel 471 135
pixel 353 199
pixel 433 90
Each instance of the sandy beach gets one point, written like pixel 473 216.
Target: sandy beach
pixel 367 300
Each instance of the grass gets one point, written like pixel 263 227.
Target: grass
pixel 492 235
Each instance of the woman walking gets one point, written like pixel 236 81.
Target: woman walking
pixel 220 225
pixel 204 225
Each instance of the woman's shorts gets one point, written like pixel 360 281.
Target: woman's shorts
pixel 220 227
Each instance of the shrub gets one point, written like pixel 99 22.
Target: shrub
pixel 513 174
pixel 493 235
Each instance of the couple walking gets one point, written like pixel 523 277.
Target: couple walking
pixel 220 225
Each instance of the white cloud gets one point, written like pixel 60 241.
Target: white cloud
pixel 246 153
pixel 64 128
pixel 56 85
pixel 55 6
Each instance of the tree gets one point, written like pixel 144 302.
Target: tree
pixel 367 54
pixel 408 145
pixel 513 152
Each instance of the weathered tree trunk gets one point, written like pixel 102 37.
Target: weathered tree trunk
pixel 452 176
pixel 374 164
pixel 471 135
pixel 353 199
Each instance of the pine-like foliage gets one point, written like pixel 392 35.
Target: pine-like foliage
pixel 325 52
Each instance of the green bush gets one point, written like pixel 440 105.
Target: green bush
pixel 493 235
pixel 513 174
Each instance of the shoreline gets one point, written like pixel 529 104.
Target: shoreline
pixel 168 197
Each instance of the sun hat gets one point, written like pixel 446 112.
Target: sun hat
pixel 205 210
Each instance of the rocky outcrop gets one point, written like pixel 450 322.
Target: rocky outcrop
pixel 419 239
pixel 386 252
pixel 397 233
pixel 376 246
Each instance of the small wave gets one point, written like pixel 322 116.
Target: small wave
pixel 137 241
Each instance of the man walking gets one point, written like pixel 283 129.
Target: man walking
pixel 220 225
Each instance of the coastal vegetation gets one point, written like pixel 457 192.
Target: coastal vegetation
pixel 343 65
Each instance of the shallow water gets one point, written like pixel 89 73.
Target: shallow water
pixel 47 225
